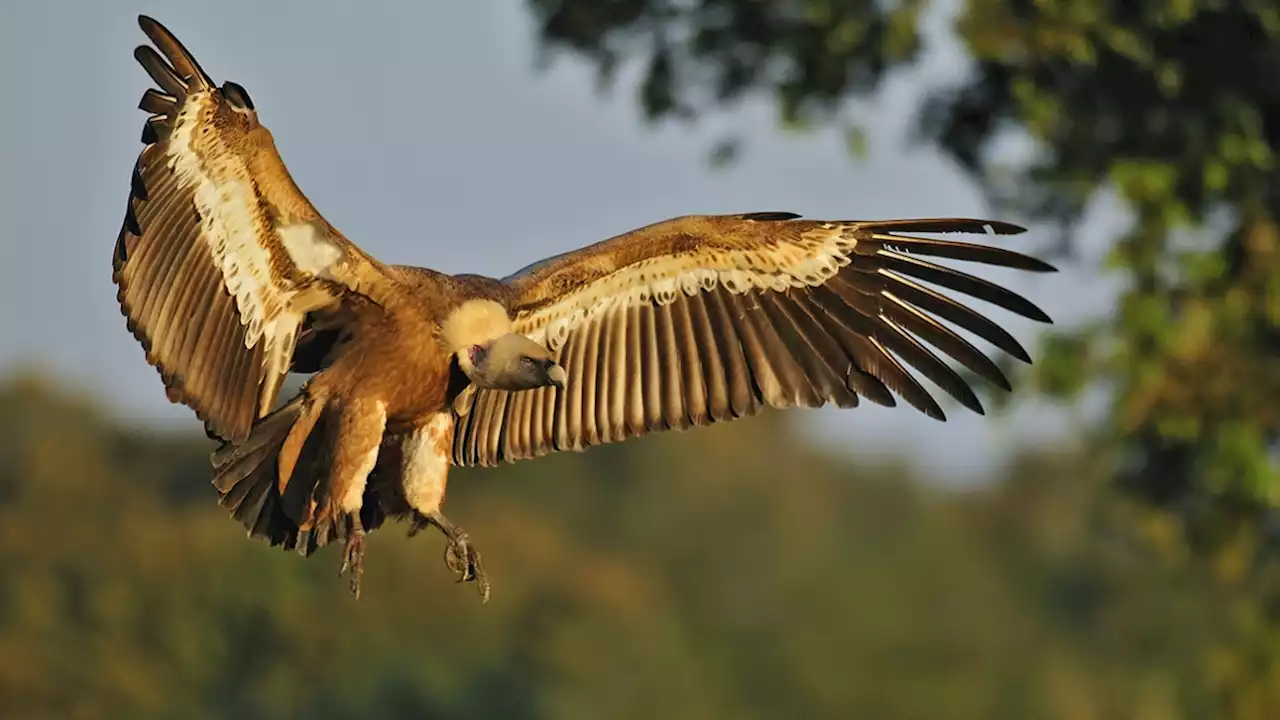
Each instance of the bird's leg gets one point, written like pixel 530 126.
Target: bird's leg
pixel 353 558
pixel 459 554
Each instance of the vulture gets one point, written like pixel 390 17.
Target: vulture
pixel 231 279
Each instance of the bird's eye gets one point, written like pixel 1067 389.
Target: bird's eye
pixel 526 362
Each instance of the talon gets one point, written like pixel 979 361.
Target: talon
pixel 457 556
pixel 464 561
pixel 353 557
pixel 461 557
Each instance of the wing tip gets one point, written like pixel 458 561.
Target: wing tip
pixel 979 226
pixel 149 24
pixel 172 50
pixel 1000 227
pixel 770 215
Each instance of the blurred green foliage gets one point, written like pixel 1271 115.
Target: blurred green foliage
pixel 1173 106
pixel 735 572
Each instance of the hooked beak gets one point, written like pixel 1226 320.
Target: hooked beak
pixel 556 375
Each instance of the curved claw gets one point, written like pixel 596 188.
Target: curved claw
pixel 462 559
pixel 353 560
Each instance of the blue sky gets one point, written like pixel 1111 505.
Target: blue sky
pixel 423 132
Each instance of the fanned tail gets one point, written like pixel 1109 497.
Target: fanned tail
pixel 248 475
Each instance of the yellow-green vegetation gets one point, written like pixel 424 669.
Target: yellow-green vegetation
pixel 734 572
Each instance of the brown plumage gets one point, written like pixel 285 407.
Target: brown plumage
pixel 231 279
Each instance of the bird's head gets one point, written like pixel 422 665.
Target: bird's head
pixel 511 362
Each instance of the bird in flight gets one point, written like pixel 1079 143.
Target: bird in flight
pixel 231 279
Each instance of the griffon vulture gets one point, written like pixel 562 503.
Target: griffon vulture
pixel 230 279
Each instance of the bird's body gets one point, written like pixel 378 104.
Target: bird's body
pixel 231 279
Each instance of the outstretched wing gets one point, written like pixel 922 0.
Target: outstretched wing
pixel 704 319
pixel 220 255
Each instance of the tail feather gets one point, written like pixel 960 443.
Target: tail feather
pixel 247 478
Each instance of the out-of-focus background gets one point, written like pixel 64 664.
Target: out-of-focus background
pixel 1101 546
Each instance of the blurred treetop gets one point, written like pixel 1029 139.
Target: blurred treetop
pixel 674 576
pixel 1172 105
